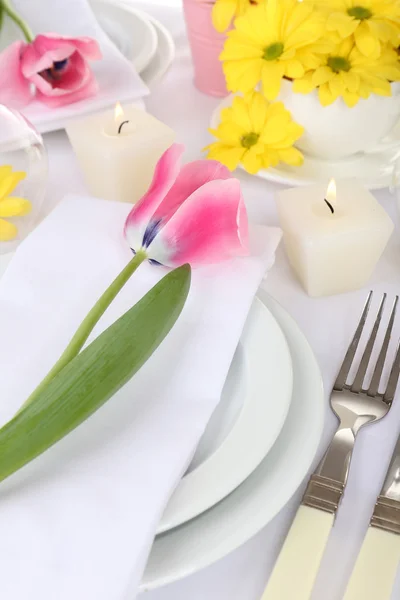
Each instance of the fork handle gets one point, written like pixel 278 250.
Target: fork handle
pixel 375 571
pixel 297 566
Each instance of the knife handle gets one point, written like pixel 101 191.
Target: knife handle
pixel 375 571
pixel 297 566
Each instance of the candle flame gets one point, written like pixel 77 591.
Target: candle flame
pixel 118 112
pixel 331 191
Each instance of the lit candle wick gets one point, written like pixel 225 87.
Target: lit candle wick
pixel 121 125
pixel 330 198
pixel 330 205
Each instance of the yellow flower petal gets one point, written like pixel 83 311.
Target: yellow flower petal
pixel 14 207
pixel 8 231
pixel 321 76
pixel 366 42
pixel 228 156
pixel 342 23
pixel 271 78
pixel 325 95
pixel 258 108
pixel 252 162
pixel 10 182
pixel 351 81
pixel 294 69
pixel 304 85
pixel 242 75
pixel 292 157
pixel 222 14
pixel 350 98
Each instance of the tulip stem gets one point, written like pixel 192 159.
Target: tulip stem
pixel 8 9
pixel 87 325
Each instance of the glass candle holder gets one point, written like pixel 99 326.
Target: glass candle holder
pixel 23 178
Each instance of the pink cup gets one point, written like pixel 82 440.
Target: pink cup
pixel 206 45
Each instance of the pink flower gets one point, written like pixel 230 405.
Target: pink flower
pixel 57 66
pixel 194 214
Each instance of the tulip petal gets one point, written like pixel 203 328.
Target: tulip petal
pixel 15 90
pixel 165 175
pixel 90 88
pixel 191 177
pixel 46 49
pixel 209 227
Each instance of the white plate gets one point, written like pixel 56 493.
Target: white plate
pixel 255 402
pixel 212 535
pixel 163 57
pixel 129 29
pixel 372 170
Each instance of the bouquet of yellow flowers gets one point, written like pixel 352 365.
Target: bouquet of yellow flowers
pixel 344 49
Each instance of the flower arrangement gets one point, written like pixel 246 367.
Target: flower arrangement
pixel 51 68
pixel 11 206
pixel 190 216
pixel 344 49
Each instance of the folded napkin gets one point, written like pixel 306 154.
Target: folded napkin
pixel 115 74
pixel 78 522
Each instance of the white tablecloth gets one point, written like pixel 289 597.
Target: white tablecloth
pixel 328 323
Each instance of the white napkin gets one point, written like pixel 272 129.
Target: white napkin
pixel 115 74
pixel 78 522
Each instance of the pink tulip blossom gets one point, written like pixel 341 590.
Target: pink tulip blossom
pixel 192 214
pixel 56 67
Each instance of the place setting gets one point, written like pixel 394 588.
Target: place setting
pixel 162 403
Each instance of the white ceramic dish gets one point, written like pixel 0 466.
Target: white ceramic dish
pixel 375 171
pixel 163 57
pixel 130 30
pixel 246 424
pixel 223 528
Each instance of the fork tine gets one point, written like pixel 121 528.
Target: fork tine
pixel 393 378
pixel 352 349
pixel 362 369
pixel 377 374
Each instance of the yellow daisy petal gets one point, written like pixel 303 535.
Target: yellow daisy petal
pixel 257 107
pixel 252 162
pixel 222 14
pixel 292 157
pixel 271 78
pixel 366 42
pixel 8 231
pixel 350 98
pixel 294 69
pixel 321 76
pixel 10 182
pixel 14 207
pixel 242 75
pixel 325 95
pixel 228 156
pixel 304 85
pixel 342 23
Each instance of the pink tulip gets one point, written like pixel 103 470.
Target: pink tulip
pixel 56 66
pixel 15 90
pixel 194 214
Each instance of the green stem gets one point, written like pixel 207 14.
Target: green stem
pixel 8 9
pixel 87 325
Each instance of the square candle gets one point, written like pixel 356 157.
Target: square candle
pixel 333 237
pixel 118 151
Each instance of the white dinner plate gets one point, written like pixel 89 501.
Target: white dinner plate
pixel 130 30
pixel 217 532
pixel 375 171
pixel 254 404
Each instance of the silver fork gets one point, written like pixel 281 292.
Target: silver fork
pixel 297 565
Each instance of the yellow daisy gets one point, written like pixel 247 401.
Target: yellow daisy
pixel 277 38
pixel 10 206
pixel 224 11
pixel 255 133
pixel 373 22
pixel 349 74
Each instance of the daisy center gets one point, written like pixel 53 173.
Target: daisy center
pixel 273 51
pixel 360 13
pixel 249 140
pixel 338 63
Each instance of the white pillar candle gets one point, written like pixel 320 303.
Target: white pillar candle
pixel 118 151
pixel 333 238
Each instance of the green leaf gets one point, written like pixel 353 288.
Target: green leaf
pixel 92 377
pixel 1 15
